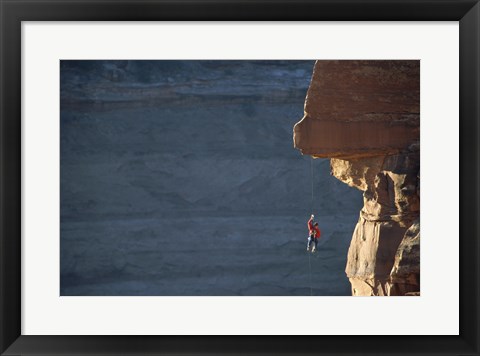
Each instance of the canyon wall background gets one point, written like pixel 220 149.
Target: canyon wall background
pixel 179 178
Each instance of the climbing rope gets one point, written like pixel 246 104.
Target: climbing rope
pixel 310 274
pixel 311 171
pixel 309 254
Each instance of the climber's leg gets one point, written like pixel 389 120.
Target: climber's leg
pixel 310 238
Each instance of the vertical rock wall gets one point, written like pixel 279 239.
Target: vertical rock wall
pixel 365 116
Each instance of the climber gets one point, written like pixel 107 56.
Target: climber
pixel 313 234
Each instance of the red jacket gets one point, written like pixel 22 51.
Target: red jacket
pixel 313 229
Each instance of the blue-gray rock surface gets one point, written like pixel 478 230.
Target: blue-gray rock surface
pixel 180 178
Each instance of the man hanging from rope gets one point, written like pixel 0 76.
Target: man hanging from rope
pixel 313 234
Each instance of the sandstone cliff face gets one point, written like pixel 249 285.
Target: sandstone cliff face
pixel 365 116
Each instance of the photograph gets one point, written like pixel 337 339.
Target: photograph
pixel 239 177
pixel 226 178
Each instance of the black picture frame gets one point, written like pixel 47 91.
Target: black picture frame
pixel 13 12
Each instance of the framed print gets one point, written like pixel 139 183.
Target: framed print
pixel 239 178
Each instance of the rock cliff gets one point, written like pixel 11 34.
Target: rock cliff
pixel 365 116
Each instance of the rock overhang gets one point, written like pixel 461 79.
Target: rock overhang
pixel 360 108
